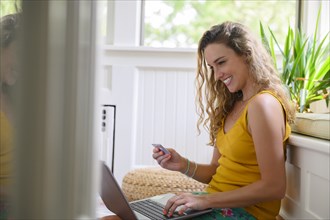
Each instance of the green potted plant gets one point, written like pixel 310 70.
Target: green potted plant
pixel 305 65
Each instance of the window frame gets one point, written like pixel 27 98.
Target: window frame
pixel 298 18
pixel 129 14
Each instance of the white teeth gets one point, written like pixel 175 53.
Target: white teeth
pixel 226 80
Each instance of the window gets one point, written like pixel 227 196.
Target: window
pixel 181 23
pixel 9 7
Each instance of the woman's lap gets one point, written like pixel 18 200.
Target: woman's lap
pixel 226 213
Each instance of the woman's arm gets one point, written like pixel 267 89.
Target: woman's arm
pixel 266 123
pixel 204 172
pixel 176 162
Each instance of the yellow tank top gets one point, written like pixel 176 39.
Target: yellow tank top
pixel 238 164
pixel 6 139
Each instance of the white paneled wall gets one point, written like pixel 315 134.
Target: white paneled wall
pixel 308 183
pixel 166 114
pixel 154 92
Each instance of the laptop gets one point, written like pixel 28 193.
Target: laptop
pixel 149 208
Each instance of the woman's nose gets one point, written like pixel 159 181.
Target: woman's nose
pixel 217 74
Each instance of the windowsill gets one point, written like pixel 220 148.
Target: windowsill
pixel 178 58
pixel 310 143
pixel 149 49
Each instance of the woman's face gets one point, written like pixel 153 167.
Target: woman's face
pixel 9 64
pixel 228 67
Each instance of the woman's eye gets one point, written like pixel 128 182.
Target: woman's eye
pixel 221 62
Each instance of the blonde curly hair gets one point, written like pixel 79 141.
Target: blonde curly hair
pixel 213 99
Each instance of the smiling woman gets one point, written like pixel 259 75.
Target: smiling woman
pixel 243 105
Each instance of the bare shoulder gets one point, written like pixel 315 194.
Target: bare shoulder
pixel 264 101
pixel 265 112
pixel 264 105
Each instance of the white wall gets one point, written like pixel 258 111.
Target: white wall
pixel 154 94
pixel 308 184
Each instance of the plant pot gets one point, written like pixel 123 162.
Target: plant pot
pixel 311 124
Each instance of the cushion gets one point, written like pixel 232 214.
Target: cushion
pixel 146 182
pixel 316 125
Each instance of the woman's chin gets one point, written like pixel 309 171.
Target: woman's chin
pixel 231 89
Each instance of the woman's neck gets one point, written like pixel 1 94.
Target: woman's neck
pixel 249 91
pixel 247 95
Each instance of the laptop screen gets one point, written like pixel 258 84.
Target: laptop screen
pixel 112 195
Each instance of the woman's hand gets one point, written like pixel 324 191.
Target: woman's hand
pixel 185 201
pixel 172 161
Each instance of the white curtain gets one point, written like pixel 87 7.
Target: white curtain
pixel 57 107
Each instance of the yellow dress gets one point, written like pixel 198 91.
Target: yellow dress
pixel 238 164
pixel 6 139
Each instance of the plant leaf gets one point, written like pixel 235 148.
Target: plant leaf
pixel 324 70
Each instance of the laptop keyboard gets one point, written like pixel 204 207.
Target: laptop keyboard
pixel 150 208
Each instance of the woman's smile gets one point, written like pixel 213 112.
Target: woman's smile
pixel 227 81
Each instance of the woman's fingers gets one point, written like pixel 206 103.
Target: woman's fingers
pixel 170 161
pixel 161 158
pixel 164 159
pixel 156 155
pixel 169 204
pixel 156 152
pixel 183 208
pixel 173 204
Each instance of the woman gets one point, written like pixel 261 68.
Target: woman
pixel 245 108
pixel 8 73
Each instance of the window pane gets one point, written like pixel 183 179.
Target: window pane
pixel 10 7
pixel 169 23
